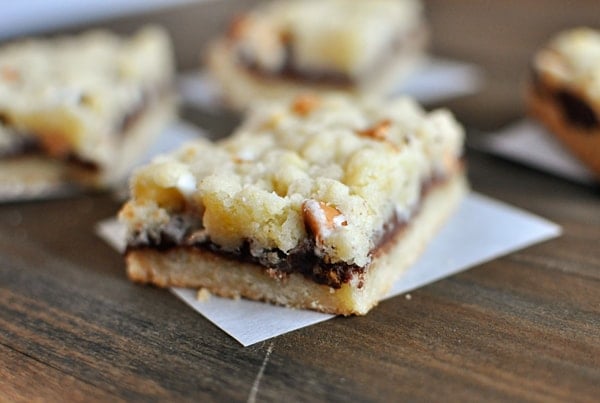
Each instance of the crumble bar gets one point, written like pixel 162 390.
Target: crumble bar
pixel 281 48
pixel 80 109
pixel 319 203
pixel 564 92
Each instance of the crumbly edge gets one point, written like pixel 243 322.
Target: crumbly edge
pixel 187 267
pixel 34 176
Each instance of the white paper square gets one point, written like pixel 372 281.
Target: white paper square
pixel 482 229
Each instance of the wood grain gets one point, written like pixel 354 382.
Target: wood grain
pixel 525 327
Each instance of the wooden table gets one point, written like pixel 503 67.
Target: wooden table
pixel 522 327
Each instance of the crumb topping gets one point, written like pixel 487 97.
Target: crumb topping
pixel 284 177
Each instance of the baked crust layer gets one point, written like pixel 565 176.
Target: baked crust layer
pixel 192 267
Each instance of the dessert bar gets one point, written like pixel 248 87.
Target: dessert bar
pixel 564 92
pixel 281 48
pixel 80 110
pixel 320 202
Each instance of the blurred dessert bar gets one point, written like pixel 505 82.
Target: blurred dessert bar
pixel 281 48
pixel 319 203
pixel 80 110
pixel 564 92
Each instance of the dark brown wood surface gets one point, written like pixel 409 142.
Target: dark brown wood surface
pixel 521 327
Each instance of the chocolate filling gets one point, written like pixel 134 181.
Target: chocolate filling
pixel 275 262
pixel 575 110
pixel 301 259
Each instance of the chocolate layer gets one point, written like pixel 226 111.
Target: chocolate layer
pixel 301 259
pixel 575 110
